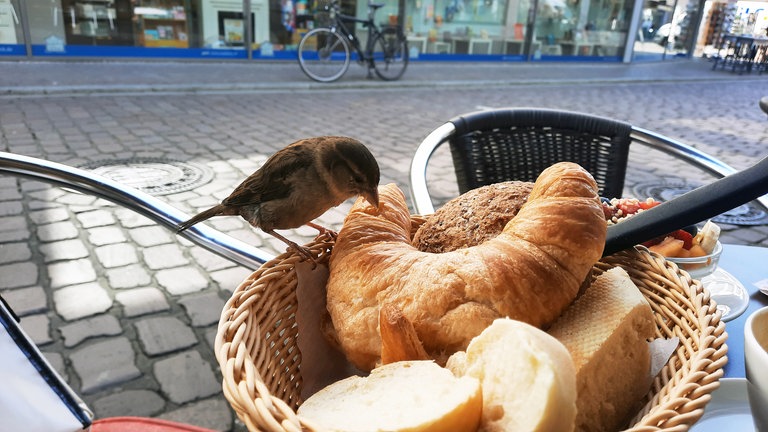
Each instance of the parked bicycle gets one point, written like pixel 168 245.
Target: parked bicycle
pixel 325 52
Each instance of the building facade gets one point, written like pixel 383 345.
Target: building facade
pixel 473 30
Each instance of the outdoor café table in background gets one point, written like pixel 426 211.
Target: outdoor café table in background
pixel 742 53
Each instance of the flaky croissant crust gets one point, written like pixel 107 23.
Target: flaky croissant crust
pixel 530 272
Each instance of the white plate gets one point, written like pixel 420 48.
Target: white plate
pixel 728 410
pixel 728 293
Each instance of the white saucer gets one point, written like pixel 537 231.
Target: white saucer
pixel 728 410
pixel 728 293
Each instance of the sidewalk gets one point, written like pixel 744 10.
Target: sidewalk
pixel 62 77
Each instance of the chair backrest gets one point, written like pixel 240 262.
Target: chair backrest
pixel 518 144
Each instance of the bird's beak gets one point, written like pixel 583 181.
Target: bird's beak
pixel 372 196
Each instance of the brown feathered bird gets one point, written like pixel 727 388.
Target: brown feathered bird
pixel 298 184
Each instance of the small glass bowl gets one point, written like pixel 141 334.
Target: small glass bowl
pixel 698 267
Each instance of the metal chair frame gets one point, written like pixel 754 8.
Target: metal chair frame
pixel 422 201
pixel 133 199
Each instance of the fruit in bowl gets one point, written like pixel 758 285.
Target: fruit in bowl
pixel 699 266
pixel 694 250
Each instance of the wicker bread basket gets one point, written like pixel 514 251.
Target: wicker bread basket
pixel 261 364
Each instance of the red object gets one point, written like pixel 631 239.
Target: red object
pixel 683 235
pixel 632 206
pixel 142 424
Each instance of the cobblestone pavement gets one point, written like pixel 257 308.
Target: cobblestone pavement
pixel 127 311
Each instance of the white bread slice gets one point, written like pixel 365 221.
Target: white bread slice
pixel 405 396
pixel 527 378
pixel 606 331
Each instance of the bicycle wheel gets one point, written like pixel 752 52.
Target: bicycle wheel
pixel 390 56
pixel 323 55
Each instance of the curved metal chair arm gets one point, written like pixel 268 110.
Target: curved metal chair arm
pixel 422 201
pixel 689 154
pixel 133 199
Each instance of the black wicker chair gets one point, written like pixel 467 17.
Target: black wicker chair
pixel 519 143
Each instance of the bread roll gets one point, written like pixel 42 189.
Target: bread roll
pixel 527 378
pixel 472 218
pixel 606 331
pixel 530 272
pixel 416 396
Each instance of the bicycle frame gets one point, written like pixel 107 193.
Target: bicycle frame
pixel 373 31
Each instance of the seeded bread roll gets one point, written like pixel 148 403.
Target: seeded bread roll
pixel 412 396
pixel 472 218
pixel 606 331
pixel 527 378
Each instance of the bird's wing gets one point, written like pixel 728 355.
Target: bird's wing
pixel 270 182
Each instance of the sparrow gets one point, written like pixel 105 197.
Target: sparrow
pixel 298 184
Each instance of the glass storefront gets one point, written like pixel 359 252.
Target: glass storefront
pixel 668 29
pixel 11 34
pixel 475 30
pixel 580 29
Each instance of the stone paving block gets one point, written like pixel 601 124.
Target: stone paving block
pixel 209 260
pixel 117 255
pixel 228 223
pixel 76 199
pixel 80 301
pixel 203 309
pixel 63 250
pixel 105 364
pixel 38 328
pixel 10 208
pixel 163 335
pixel 47 216
pixel 14 252
pixel 56 360
pixel 164 256
pixel 13 228
pixel 25 301
pixel 231 278
pixel 214 413
pixel 96 218
pixel 182 280
pixel 130 276
pixel 131 219
pixel 100 236
pixel 101 325
pixel 10 194
pixel 71 272
pixel 57 231
pixel 185 377
pixel 142 301
pixel 150 236
pixel 210 337
pixel 18 275
pixel 134 403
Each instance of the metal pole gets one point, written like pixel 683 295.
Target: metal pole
pixel 248 25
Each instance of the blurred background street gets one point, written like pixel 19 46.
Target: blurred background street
pixel 127 311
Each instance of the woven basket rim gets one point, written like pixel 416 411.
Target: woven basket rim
pixel 263 391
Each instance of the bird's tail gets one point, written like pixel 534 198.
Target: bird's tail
pixel 207 214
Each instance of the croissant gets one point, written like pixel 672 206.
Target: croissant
pixel 530 272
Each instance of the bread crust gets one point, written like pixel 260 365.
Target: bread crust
pixel 472 218
pixel 530 272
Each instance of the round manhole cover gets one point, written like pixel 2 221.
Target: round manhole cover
pixel 746 214
pixel 154 176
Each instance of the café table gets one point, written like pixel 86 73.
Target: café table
pixel 729 408
pixel 739 52
pixel 749 264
